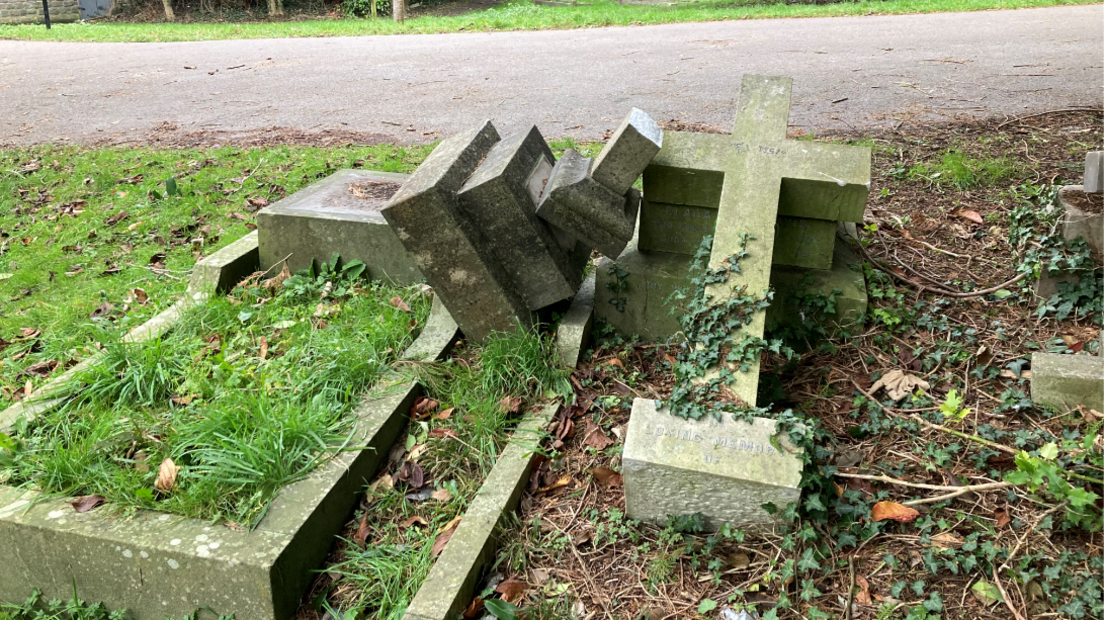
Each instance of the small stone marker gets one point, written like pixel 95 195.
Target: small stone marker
pixel 1066 381
pixel 340 214
pixel 724 470
pixel 501 198
pixel 628 152
pixel 448 248
pixel 1094 172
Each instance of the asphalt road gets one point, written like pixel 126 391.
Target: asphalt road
pixel 848 73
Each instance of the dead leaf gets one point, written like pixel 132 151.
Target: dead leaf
pixel 41 369
pixel 738 560
pixel 140 461
pixel 256 202
pixel 138 296
pixel 27 333
pixel 103 310
pixel 512 590
pixel 862 597
pixel 443 538
pixel 444 415
pixel 969 214
pixel 422 408
pixel 596 437
pixel 893 510
pixel 946 540
pixel 607 477
pixel 115 219
pixel 474 610
pixel 385 481
pixel 441 495
pixel 412 521
pixel 361 535
pixel 183 400
pixel 442 432
pixel 417 451
pixel 1003 517
pixel 400 304
pixel 616 362
pixel 264 348
pixel 899 384
pixel 88 502
pixel 411 473
pixel 510 404
pixel 560 482
pixel 166 476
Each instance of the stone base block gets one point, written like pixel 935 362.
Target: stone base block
pixel 1079 223
pixel 340 214
pixel 804 242
pixel 724 470
pixel 640 283
pixel 795 288
pixel 573 332
pixel 1066 381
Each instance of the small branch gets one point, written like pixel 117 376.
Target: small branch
pixel 938 291
pixel 1019 544
pixel 955 491
pixel 1026 116
pixel 1004 595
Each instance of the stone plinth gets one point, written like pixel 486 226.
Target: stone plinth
pixel 1066 381
pixel 587 210
pixel 1094 172
pixel 724 470
pixel 340 214
pixel 792 285
pixel 1082 223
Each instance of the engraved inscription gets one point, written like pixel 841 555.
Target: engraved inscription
pixel 537 179
pixel 711 456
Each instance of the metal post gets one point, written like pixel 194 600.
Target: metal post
pixel 46 13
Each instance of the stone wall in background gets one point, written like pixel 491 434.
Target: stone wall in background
pixel 30 11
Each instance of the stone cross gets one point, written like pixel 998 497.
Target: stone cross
pixel 765 174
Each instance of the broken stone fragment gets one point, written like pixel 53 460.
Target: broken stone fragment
pixel 452 253
pixel 1094 172
pixel 628 152
pixel 586 209
pixel 501 198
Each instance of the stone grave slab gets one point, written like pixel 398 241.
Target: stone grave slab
pixel 632 146
pixel 1066 381
pixel 501 198
pixel 447 247
pixel 586 209
pixel 724 470
pixel 341 214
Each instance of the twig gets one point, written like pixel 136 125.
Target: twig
pixel 851 590
pixel 1019 544
pixel 1026 116
pixel 955 491
pixel 940 291
pixel 1004 595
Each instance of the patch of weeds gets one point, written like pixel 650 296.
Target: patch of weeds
pixel 34 608
pixel 522 362
pixel 964 172
pixel 247 394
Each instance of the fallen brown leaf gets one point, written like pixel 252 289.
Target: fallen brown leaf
pixel 562 481
pixel 442 432
pixel 512 590
pixel 441 495
pixel 608 477
pixel 510 404
pixel 894 511
pixel 400 304
pixel 444 537
pixel 411 473
pixel 166 476
pixel 862 597
pixel 1003 517
pixel 969 214
pixel 446 414
pixel 361 535
pixel 596 437
pixel 422 408
pixel 474 610
pixel 412 521
pixel 264 348
pixel 88 502
pixel 899 384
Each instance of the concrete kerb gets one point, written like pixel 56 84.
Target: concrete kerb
pixel 450 585
pixel 158 565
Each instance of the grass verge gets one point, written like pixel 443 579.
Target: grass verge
pixel 246 395
pixel 516 15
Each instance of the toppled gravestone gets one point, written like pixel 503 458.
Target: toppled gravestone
pixel 500 229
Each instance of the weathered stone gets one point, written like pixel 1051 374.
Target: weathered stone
pixel 573 332
pixel 804 242
pixel 437 337
pixel 450 585
pixel 1077 223
pixel 1094 172
pixel 340 214
pixel 642 282
pixel 628 152
pixel 447 247
pixel 1066 381
pixel 794 286
pixel 221 271
pixel 501 198
pixel 157 565
pixel 631 293
pixel 585 209
pixel 677 228
pixel 724 470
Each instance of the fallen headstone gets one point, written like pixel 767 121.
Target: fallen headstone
pixel 1066 381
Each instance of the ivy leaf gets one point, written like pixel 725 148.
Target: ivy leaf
pixel 706 606
pixel 1049 451
pixel 986 593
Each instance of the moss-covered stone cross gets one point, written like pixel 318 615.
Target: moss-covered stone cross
pixel 763 174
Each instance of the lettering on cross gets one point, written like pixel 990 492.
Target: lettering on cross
pixel 759 175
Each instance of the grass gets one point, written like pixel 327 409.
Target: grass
pixel 456 450
pixel 246 395
pixel 515 15
pixel 90 247
pixel 965 172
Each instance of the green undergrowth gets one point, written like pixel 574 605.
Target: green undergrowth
pixel 471 405
pixel 962 171
pixel 247 394
pixel 35 608
pixel 92 242
pixel 516 15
